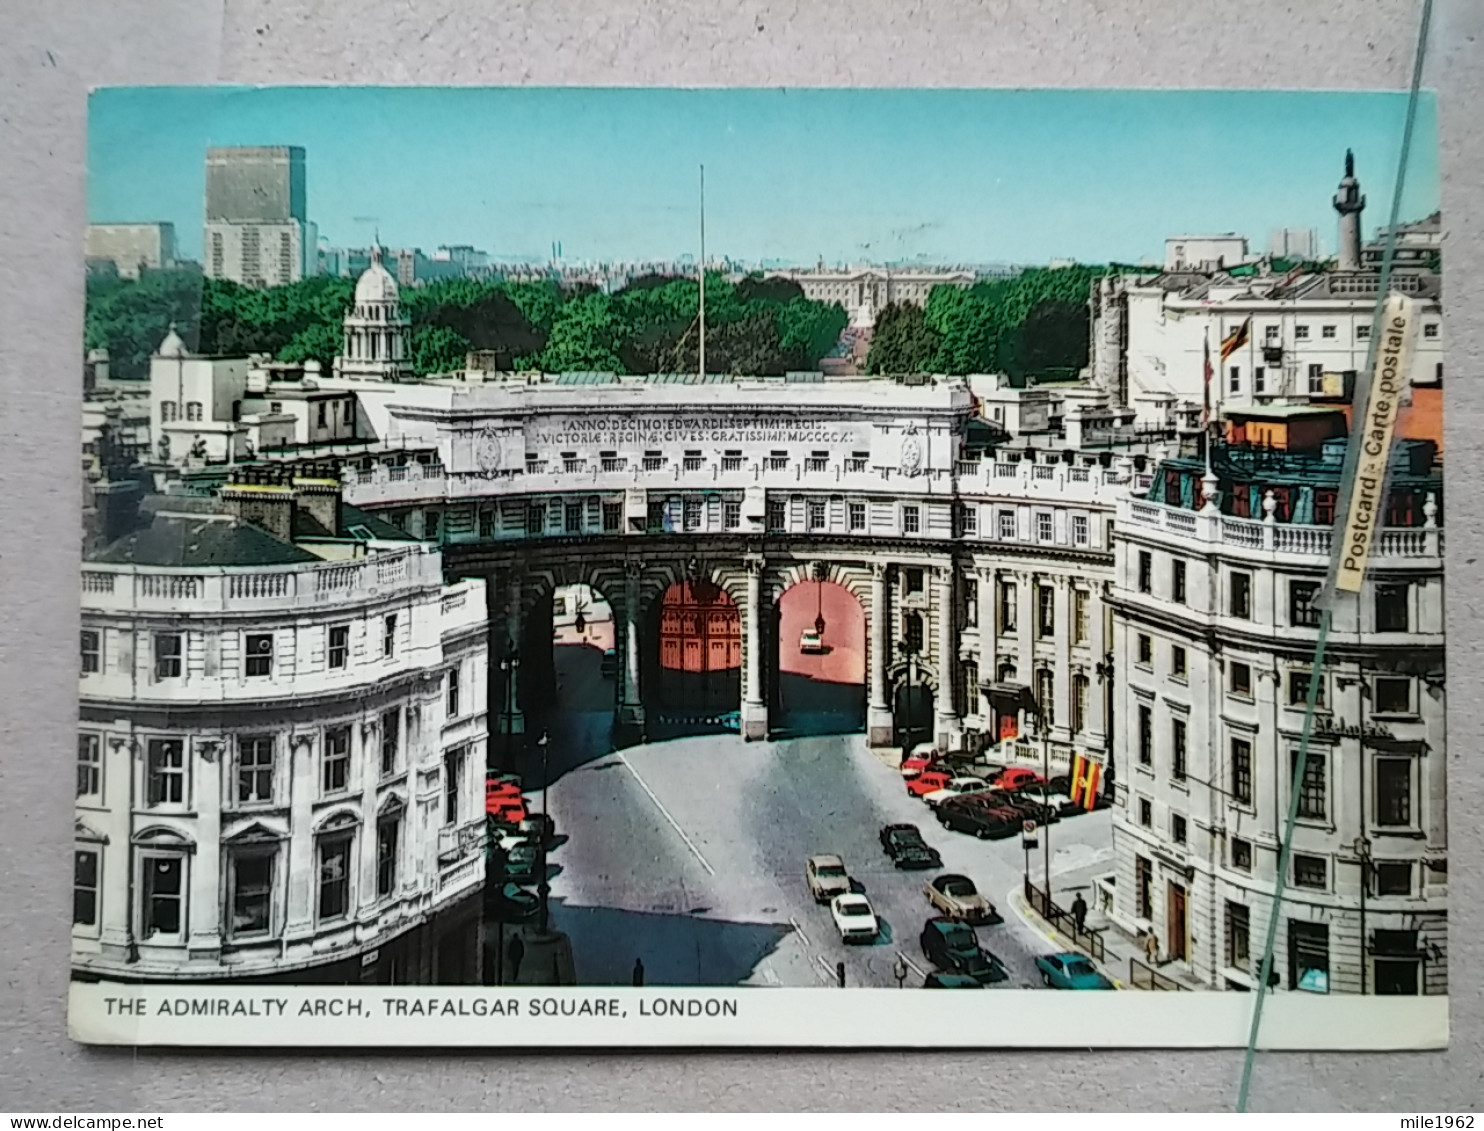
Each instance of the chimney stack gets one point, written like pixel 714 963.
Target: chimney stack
pixel 263 496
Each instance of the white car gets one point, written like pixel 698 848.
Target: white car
pixel 854 918
pixel 954 788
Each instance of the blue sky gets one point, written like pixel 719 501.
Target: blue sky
pixel 847 175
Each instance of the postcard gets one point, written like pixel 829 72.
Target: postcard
pixel 621 567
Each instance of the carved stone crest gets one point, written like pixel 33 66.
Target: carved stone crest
pixel 911 455
pixel 487 456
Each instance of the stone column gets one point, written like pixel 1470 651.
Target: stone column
pixel 754 709
pixel 988 641
pixel 302 865
pixel 878 714
pixel 204 927
pixel 948 727
pixel 1101 687
pixel 1061 672
pixel 1025 637
pixel 631 708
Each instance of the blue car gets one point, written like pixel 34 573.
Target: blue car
pixel 1071 971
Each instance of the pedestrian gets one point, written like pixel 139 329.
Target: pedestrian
pixel 1151 947
pixel 516 955
pixel 1079 912
pixel 638 972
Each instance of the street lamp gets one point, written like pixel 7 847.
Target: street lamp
pixel 1363 853
pixel 509 666
pixel 899 971
pixel 909 651
pixel 1105 673
pixel 544 888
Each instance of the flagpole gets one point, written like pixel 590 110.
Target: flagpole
pixel 702 276
pixel 1206 415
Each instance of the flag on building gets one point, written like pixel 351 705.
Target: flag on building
pixel 1206 391
pixel 1086 778
pixel 1236 339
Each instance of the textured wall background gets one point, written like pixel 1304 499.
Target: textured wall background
pixel 54 50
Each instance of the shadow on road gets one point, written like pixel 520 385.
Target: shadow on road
pixel 677 949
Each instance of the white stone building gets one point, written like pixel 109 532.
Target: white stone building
pixel 864 291
pixel 375 329
pixel 132 248
pixel 1214 634
pixel 281 750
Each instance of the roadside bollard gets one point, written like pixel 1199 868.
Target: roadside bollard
pixel 840 973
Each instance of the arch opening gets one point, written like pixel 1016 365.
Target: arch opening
pixel 819 660
pixel 693 678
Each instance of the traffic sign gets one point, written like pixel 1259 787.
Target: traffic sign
pixel 1027 828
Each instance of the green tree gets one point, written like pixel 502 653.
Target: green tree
pixel 902 341
pixel 130 318
pixel 1055 337
pixel 437 349
pixel 583 337
pixel 811 328
pixel 319 340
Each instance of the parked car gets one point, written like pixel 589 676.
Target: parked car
pixel 953 947
pixel 957 898
pixel 929 781
pixel 982 821
pixel 609 666
pixel 506 812
pixel 826 876
pixel 854 918
pixel 907 849
pixel 955 788
pixel 512 904
pixel 1015 777
pixel 942 980
pixel 917 763
pixel 1071 971
pixel 1029 805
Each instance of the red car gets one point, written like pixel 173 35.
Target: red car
pixel 503 800
pixel 929 781
pixel 1015 777
pixel 917 763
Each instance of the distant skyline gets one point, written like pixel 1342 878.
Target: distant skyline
pixel 847 175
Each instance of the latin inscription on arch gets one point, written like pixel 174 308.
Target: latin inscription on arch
pixel 656 430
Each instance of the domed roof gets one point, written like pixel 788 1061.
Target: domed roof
pixel 376 283
pixel 172 346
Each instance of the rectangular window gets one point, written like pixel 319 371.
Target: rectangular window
pixel 1316 379
pixel 1241 855
pixel 1179 665
pixel 1235 379
pixel 1313 804
pixel 1301 333
pixel 334 877
pixel 388 833
pixel 1177 581
pixel 1179 830
pixel 911 519
pixel 89 767
pixel 1008 606
pixel 1272 334
pixel 968 519
pixel 1177 749
pixel 1394 792
pixel 1298 689
pixel 335 767
pixel 255 769
pixel 731 514
pixel 612 514
pixel 1079 703
pixel 452 690
pixel 1392 695
pixel 85 887
pixel 1391 607
pixel 1045 611
pixel 816 514
pixel 1239 604
pixel 913 626
pixel 1303 612
pixel 857 512
pixel 453 773
pixel 690 513
pixel 1259 380
pixel 1146 571
pixel 1080 530
pixel 1309 872
pixel 1080 600
pixel 163 903
pixel 1046 700
pixel 167 655
pixel 1043 526
pixel 252 893
pixel 1241 771
pixel 391 740
pixel 1308 955
pixel 339 650
pixel 166 771
pixel 1143 887
pixel 431 522
pixel 1362 331
pixel 1241 679
pixel 1429 329
pixel 1144 649
pixel 1327 331
pixel 1007 526
pixel 777 516
pixel 1238 936
pixel 572 518
pixel 258 648
pixel 1392 877
pixel 91 655
pixel 535 518
pixel 970 593
pixel 654 520
pixel 731 459
pixel 1146 812
pixel 389 635
pixel 486 522
pixel 1146 735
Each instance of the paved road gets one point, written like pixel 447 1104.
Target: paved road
pixel 688 855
